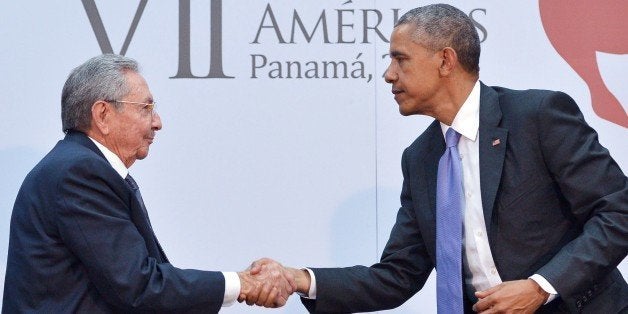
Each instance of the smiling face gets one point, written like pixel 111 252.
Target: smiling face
pixel 132 127
pixel 413 73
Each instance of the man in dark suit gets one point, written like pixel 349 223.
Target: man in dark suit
pixel 543 207
pixel 80 238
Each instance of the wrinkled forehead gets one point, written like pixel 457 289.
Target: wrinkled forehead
pixel 409 32
pixel 137 85
pixel 404 39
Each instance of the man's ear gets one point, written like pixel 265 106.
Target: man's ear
pixel 449 60
pixel 101 116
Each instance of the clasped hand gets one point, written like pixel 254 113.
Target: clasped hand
pixel 518 296
pixel 266 283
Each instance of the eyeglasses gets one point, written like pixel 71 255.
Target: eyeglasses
pixel 150 106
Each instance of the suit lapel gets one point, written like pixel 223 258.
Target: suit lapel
pixel 137 214
pixel 142 224
pixel 492 146
pixel 425 168
pixel 430 163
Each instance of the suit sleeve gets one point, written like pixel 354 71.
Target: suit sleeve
pixel 93 220
pixel 596 190
pixel 402 271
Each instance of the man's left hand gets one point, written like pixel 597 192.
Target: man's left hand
pixel 266 283
pixel 518 296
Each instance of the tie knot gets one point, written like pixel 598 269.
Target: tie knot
pixel 129 180
pixel 452 137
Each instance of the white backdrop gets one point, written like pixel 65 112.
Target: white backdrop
pixel 301 168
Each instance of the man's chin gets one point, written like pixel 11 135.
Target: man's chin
pixel 405 112
pixel 141 154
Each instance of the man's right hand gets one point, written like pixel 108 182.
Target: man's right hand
pixel 266 283
pixel 303 280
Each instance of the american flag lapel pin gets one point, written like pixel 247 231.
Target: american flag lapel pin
pixel 496 142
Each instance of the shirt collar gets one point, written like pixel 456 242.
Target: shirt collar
pixel 467 120
pixel 113 159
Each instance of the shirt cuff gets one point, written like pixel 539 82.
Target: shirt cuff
pixel 546 286
pixel 232 287
pixel 312 292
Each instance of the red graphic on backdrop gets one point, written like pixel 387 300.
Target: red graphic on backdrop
pixel 577 29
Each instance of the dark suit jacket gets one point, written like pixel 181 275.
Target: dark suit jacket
pixel 555 203
pixel 80 242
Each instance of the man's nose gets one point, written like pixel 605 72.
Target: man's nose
pixel 390 76
pixel 156 123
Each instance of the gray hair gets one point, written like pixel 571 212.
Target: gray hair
pixel 99 78
pixel 442 25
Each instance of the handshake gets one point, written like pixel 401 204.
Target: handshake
pixel 267 283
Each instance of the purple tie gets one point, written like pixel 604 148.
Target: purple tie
pixel 449 228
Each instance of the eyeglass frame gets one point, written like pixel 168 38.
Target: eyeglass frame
pixel 147 105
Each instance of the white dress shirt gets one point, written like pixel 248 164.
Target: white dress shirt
pixel 479 267
pixel 480 271
pixel 232 281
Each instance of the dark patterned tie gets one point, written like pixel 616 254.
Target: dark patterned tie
pixel 449 228
pixel 131 182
